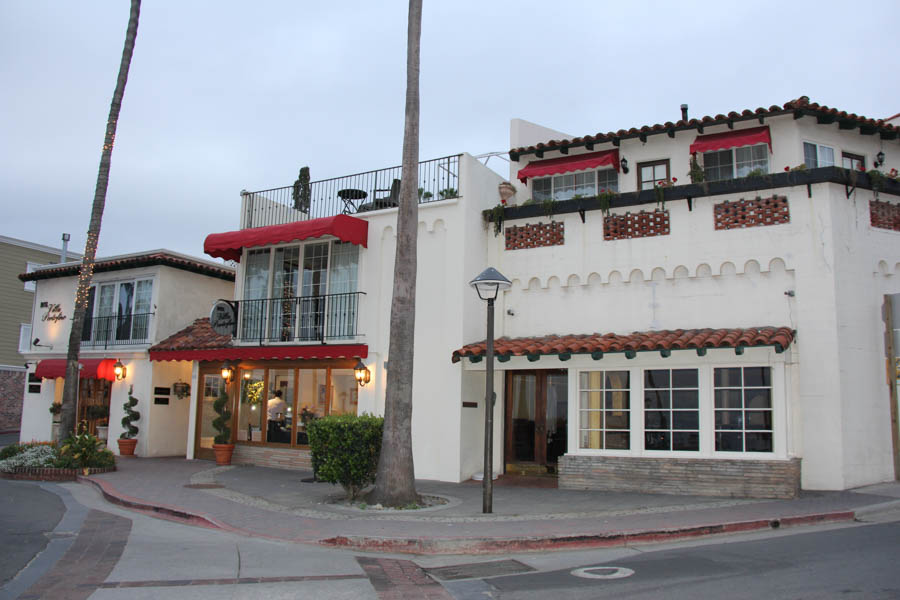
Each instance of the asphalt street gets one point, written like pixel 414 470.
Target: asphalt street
pixel 27 513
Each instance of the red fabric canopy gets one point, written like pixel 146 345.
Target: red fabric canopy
pixel 732 139
pixel 344 227
pixel 91 368
pixel 567 164
pixel 265 352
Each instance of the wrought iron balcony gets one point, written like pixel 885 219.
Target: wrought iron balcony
pixel 320 319
pixel 116 330
pixel 438 179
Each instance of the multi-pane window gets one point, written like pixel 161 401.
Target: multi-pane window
pixel 604 410
pixel 735 162
pixel 118 312
pixel 743 409
pixel 853 161
pixel 568 185
pixel 651 173
pixel 817 155
pixel 671 409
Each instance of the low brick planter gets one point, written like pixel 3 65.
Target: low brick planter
pixel 52 474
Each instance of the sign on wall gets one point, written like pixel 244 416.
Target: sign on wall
pixel 223 318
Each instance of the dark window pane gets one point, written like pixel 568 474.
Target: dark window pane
pixel 656 440
pixel 617 441
pixel 656 419
pixel 759 398
pixel 617 380
pixel 759 419
pixel 727 377
pixel 656 378
pixel 684 378
pixel 656 399
pixel 757 377
pixel 759 442
pixel 729 419
pixel 728 398
pixel 729 442
pixel 682 440
pixel 617 400
pixel 685 399
pixel 616 420
pixel 685 419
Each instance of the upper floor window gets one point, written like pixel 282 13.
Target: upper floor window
pixel 24 337
pixel 817 155
pixel 118 312
pixel 735 162
pixel 651 173
pixel 568 185
pixel 853 161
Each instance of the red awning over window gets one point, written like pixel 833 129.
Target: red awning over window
pixel 344 227
pixel 265 352
pixel 568 164
pixel 91 368
pixel 732 139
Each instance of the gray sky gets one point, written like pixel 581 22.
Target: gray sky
pixel 229 95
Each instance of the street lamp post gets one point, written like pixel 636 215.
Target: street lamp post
pixel 488 285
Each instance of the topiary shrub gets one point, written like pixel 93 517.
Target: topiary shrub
pixel 220 423
pixel 345 450
pixel 130 417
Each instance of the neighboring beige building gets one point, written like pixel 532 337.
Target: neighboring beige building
pixel 16 300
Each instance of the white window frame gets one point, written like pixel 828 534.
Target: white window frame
pixel 30 267
pixel 596 184
pixel 735 172
pixel 116 283
pixel 820 148
pixel 24 338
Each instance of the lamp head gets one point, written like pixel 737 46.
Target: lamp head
pixel 490 283
pixel 361 373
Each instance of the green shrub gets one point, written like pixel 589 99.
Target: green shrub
pixel 220 423
pixel 83 451
pixel 10 451
pixel 345 450
pixel 38 455
pixel 130 417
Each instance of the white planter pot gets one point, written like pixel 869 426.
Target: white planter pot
pixel 103 432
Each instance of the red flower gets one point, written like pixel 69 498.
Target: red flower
pixel 861 167
pixel 786 169
pixel 674 179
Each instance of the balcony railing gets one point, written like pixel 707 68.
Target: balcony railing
pixel 301 319
pixel 373 190
pixel 116 330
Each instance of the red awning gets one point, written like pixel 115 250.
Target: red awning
pixel 91 368
pixel 732 139
pixel 344 227
pixel 568 164
pixel 265 352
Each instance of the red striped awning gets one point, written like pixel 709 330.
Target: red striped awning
pixel 264 352
pixel 228 245
pixel 91 368
pixel 732 139
pixel 568 164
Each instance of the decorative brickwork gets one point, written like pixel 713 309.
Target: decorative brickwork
pixel 535 235
pixel 689 476
pixel 753 212
pixel 268 456
pixel 52 474
pixel 12 389
pixel 884 215
pixel 636 225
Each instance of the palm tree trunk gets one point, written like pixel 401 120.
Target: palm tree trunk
pixel 395 478
pixel 70 390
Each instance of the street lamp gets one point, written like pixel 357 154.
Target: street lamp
pixel 488 285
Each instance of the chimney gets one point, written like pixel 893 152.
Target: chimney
pixel 65 247
pixel 684 108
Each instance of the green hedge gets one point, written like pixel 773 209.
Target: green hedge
pixel 345 450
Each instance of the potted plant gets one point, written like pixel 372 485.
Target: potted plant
pixel 99 413
pixel 55 410
pixel 128 440
pixel 222 445
pixel 507 193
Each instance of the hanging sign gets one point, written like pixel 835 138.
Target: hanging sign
pixel 223 318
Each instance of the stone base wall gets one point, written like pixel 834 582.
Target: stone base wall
pixel 52 474
pixel 689 476
pixel 12 389
pixel 267 456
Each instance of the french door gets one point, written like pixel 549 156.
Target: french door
pixel 536 416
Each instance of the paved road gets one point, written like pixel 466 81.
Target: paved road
pixel 8 439
pixel 27 514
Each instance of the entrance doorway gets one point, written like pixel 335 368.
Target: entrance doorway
pixel 537 419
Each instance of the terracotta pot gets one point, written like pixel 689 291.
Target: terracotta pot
pixel 126 447
pixel 223 453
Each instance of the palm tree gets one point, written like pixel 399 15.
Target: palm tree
pixel 70 390
pixel 395 478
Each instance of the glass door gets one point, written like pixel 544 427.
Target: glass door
pixel 206 433
pixel 536 416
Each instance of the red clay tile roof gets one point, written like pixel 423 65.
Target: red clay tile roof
pixel 131 262
pixel 197 336
pixel 800 106
pixel 676 339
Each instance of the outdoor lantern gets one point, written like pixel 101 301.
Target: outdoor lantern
pixel 362 373
pixel 624 164
pixel 879 159
pixel 227 372
pixel 119 370
pixel 489 284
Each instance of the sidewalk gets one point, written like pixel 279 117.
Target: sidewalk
pixel 279 504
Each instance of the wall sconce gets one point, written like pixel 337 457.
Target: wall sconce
pixel 879 159
pixel 624 164
pixel 362 373
pixel 119 370
pixel 227 371
pixel 181 389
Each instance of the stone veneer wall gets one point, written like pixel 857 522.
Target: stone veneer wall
pixel 752 212
pixel 689 476
pixel 268 456
pixel 636 225
pixel 12 389
pixel 535 235
pixel 884 215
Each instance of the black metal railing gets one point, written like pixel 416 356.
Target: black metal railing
pixel 373 190
pixel 116 330
pixel 300 319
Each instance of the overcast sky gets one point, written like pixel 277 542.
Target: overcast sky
pixel 228 95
